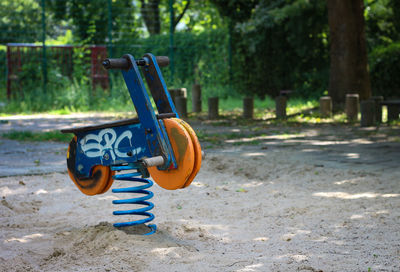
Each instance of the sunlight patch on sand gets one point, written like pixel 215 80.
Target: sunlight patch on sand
pixel 353 155
pixel 41 191
pixel 344 195
pixel 252 267
pixel 166 252
pixel 356 216
pixel 25 239
pixel 261 239
pixel 5 191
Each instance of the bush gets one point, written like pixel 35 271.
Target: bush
pixel 385 70
pixel 283 46
pixel 3 72
pixel 197 57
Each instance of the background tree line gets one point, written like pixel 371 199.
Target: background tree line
pixel 274 44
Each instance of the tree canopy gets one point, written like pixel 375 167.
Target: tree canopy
pixel 271 44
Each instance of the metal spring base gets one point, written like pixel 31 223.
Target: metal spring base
pixel 141 189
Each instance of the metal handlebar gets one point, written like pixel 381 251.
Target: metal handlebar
pixel 123 63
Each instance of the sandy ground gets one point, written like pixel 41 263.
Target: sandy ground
pixel 309 199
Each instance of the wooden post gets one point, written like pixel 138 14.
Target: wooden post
pixel 196 98
pixel 352 107
pixel 181 106
pixel 367 113
pixel 212 108
pixel 325 106
pixel 183 92
pixel 172 93
pixel 378 108
pixel 248 107
pixel 280 107
pixel 177 92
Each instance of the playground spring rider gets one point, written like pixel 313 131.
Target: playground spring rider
pixel 162 145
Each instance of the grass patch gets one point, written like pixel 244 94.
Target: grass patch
pixel 219 138
pixel 396 139
pixel 315 118
pixel 55 136
pixel 209 137
pixel 297 105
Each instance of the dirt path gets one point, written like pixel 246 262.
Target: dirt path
pixel 318 198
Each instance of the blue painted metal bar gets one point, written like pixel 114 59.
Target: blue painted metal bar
pixel 144 109
pixel 157 85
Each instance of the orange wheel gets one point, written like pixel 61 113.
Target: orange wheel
pixel 182 146
pixel 101 177
pixel 197 151
pixel 109 182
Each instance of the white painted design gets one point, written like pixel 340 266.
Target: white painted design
pixel 125 134
pixel 92 147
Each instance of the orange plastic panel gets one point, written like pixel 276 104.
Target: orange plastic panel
pixel 197 151
pixel 182 146
pixel 100 181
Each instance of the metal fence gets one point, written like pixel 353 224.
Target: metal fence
pixel 62 56
pixel 193 57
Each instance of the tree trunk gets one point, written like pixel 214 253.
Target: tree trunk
pixel 150 12
pixel 348 52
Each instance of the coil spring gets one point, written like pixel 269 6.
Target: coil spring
pixel 134 177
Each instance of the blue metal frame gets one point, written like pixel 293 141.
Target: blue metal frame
pixel 131 143
pixel 157 85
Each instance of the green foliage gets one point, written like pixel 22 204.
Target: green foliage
pixel 69 90
pixel 19 21
pixel 3 72
pixel 70 96
pixel 277 44
pixel 236 10
pixel 81 66
pixel 282 46
pixel 89 19
pixel 380 22
pixel 384 63
pixel 286 44
pixel 198 57
pixel 395 5
pixel 201 16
